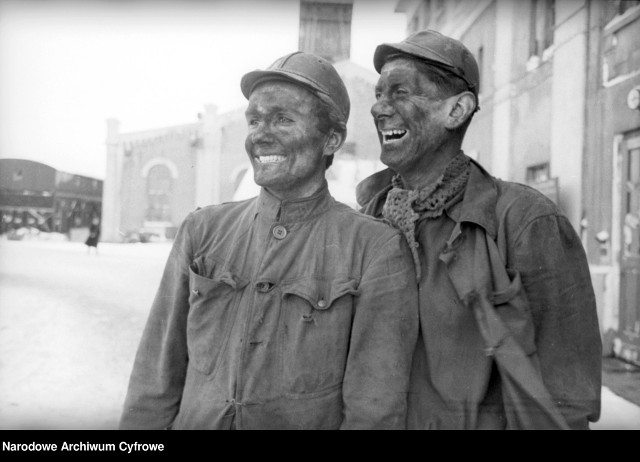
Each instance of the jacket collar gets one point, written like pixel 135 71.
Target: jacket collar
pixel 272 209
pixel 478 204
pixel 374 185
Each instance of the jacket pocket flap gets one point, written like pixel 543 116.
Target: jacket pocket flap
pixel 226 278
pixel 320 293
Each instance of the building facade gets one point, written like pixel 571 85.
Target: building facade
pixel 35 195
pixel 156 177
pixel 558 91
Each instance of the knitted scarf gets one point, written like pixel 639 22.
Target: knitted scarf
pixel 404 207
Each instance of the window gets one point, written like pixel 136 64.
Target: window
pixel 538 173
pixel 623 5
pixel 159 188
pixel 325 29
pixel 413 24
pixel 539 177
pixel 620 45
pixel 542 24
pixel 424 13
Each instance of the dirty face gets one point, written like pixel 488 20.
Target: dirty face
pixel 284 143
pixel 410 116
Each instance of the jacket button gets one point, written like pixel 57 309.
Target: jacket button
pixel 322 303
pixel 279 232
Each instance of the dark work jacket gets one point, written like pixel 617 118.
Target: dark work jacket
pixel 278 315
pixel 455 383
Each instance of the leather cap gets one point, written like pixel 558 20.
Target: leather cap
pixel 435 49
pixel 311 71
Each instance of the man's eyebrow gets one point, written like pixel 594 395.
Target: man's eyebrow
pixel 391 83
pixel 253 109
pixel 284 109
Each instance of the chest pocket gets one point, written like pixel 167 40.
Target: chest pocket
pixel 315 327
pixel 213 303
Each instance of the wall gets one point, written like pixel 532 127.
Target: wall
pixel 111 185
pixel 531 122
pixel 480 138
pixel 613 70
pixel 232 132
pixel 568 104
pixel 130 157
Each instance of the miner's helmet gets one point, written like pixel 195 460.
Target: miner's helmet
pixel 310 71
pixel 437 50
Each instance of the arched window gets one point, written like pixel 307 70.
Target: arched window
pixel 159 190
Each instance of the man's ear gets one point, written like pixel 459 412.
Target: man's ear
pixel 463 105
pixel 333 142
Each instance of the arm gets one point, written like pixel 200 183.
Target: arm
pixel 556 278
pixel 384 333
pixel 155 387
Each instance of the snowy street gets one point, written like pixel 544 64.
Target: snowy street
pixel 70 324
pixel 69 327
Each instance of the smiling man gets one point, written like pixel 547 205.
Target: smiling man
pixel 509 335
pixel 289 310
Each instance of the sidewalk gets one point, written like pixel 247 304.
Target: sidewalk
pixel 620 396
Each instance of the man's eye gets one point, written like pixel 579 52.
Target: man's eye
pixel 284 120
pixel 378 95
pixel 401 92
pixel 252 123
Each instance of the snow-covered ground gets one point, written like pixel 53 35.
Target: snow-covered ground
pixel 617 413
pixel 69 327
pixel 70 324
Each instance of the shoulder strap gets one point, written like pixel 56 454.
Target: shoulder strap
pixel 527 401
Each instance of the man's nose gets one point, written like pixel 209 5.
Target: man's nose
pixel 381 108
pixel 261 134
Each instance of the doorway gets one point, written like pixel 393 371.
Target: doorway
pixel 630 242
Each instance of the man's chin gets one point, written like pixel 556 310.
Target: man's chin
pixel 265 181
pixel 391 158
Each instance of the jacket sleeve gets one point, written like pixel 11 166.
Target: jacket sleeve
pixel 384 334
pixel 159 369
pixel 555 274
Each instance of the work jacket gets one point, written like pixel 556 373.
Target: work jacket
pixel 297 314
pixel 538 284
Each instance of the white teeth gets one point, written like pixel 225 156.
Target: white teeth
pixel 396 134
pixel 270 159
pixel 393 132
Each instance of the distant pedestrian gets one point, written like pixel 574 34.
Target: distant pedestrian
pixel 94 235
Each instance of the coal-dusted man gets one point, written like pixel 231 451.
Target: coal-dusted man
pixel 289 310
pixel 509 333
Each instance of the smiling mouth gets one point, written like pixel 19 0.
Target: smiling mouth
pixel 270 159
pixel 389 136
